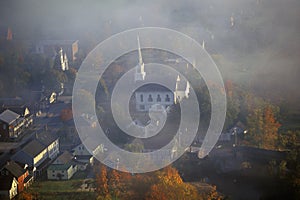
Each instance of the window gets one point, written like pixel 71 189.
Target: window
pixel 158 98
pixel 167 98
pixel 142 98
pixel 150 99
pixel 4 126
pixel 142 107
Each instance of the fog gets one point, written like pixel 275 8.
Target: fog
pixel 260 50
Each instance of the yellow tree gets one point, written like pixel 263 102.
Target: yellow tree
pixel 271 126
pixel 263 128
pixel 171 186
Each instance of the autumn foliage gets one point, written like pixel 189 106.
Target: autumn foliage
pixel 263 128
pixel 160 185
pixel 66 114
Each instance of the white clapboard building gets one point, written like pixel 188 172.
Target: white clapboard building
pixel 155 96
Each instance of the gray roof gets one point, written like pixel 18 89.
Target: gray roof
pixel 9 116
pixel 33 148
pixel 152 87
pixel 20 110
pixel 46 138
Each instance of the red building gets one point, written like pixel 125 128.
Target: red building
pixel 21 174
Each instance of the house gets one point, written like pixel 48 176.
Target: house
pixel 34 154
pixel 38 152
pixel 11 124
pixel 225 137
pixel 8 187
pixel 61 172
pixel 21 174
pixel 50 141
pixel 21 110
pixel 155 96
pixel 239 128
pixel 82 154
pixel 50 48
pixel 63 168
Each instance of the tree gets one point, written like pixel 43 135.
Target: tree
pixel 102 183
pixel 171 186
pixel 114 184
pixel 66 114
pixel 263 128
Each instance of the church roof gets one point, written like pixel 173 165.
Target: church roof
pixel 153 88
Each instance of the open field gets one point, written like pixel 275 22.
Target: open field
pixel 70 189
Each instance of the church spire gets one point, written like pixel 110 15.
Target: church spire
pixel 140 68
pixel 140 52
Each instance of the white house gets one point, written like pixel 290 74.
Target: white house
pixel 51 142
pixel 61 172
pixel 63 168
pixel 8 187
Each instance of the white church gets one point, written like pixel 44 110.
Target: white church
pixel 155 96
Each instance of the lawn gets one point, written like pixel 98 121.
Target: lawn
pixel 60 190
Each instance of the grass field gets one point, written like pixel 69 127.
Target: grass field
pixel 57 190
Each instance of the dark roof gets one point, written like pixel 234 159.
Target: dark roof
pixel 6 182
pixel 153 88
pixel 61 167
pixel 33 148
pixel 9 116
pixel 28 178
pixel 83 157
pixel 15 169
pixel 11 102
pixel 46 138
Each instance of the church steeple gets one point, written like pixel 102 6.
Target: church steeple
pixel 140 68
pixel 140 52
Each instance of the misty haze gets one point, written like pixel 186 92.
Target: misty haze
pixel 49 150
